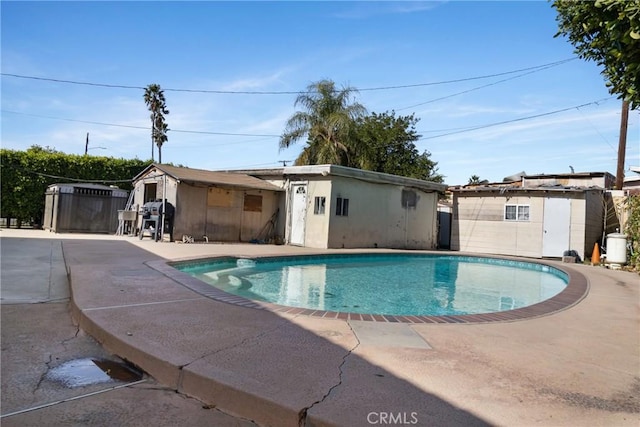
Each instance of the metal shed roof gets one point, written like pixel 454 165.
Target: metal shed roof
pixel 221 179
pixel 343 171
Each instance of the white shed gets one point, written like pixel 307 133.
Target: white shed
pixel 535 222
pixel 329 206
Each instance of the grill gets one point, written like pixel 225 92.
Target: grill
pixel 153 218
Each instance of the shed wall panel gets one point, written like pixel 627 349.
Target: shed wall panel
pixel 479 225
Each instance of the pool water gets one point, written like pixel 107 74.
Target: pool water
pixel 393 284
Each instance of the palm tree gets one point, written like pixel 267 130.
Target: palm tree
pixel 474 180
pixel 327 120
pixel 154 98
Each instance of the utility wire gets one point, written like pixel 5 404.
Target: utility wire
pixel 517 120
pixel 537 67
pixel 475 88
pixel 453 130
pixel 139 127
pixel 64 177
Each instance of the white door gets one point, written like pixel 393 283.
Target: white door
pixel 298 213
pixel 556 227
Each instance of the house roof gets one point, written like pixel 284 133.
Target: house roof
pixel 570 175
pixel 220 179
pixel 343 171
pixel 543 189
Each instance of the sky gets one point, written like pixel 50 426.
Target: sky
pixel 494 91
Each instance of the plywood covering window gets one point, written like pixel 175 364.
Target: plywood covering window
pixel 252 203
pixel 516 212
pixel 219 197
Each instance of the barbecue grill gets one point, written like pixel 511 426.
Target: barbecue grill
pixel 153 218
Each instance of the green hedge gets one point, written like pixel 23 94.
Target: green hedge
pixel 27 174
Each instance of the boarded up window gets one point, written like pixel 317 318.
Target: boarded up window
pixel 219 197
pixel 252 203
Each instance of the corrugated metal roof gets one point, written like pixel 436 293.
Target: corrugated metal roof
pixel 343 171
pixel 221 179
pixel 557 188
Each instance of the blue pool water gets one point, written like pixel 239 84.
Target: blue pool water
pixel 394 284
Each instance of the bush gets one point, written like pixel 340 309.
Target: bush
pixel 632 229
pixel 25 176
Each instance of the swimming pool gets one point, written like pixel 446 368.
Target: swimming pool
pixel 398 284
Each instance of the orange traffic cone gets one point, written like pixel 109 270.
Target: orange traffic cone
pixel 595 255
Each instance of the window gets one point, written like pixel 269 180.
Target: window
pixel 342 207
pixel 516 212
pixel 409 199
pixel 318 207
pixel 150 191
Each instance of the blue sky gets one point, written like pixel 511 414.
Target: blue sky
pixel 283 47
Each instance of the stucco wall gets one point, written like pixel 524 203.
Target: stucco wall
pixel 377 216
pixel 317 225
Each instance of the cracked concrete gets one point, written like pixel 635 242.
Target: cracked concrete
pixel 576 367
pixel 38 335
pixel 302 420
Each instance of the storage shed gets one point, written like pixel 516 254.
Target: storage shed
pixel 216 206
pixel 83 208
pixel 537 222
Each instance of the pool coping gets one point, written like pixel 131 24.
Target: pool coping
pixel 575 291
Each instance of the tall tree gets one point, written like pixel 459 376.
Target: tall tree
pixel 607 32
pixel 155 100
pixel 326 119
pixel 386 143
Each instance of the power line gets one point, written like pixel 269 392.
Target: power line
pixel 517 120
pixel 67 178
pixel 476 88
pixel 141 127
pixel 116 86
pixel 453 130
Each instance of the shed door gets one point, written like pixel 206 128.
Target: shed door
pixel 298 213
pixel 556 227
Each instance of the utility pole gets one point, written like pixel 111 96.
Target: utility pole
pixel 622 144
pixel 86 145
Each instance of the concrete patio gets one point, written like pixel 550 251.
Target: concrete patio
pixel 579 366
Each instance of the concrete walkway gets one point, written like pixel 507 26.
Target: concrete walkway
pixel 580 366
pixel 39 337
